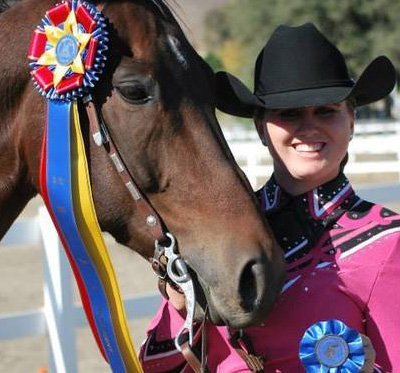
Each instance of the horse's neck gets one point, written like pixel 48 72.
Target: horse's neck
pixel 11 205
pixel 16 187
pixel 16 180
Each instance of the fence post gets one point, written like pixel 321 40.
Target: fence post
pixel 58 300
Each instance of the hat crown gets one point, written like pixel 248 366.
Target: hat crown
pixel 297 58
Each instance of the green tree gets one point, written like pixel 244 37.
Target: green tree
pixel 214 61
pixel 362 29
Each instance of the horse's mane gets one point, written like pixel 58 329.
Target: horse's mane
pixel 3 5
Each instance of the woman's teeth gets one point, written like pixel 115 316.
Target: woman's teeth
pixel 314 147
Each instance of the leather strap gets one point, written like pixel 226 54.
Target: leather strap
pixel 241 342
pixel 254 363
pixel 196 362
pixel 204 344
pixel 101 136
pixel 191 357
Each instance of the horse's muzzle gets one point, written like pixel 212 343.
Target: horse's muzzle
pixel 246 304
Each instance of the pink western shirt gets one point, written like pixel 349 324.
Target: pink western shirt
pixel 342 261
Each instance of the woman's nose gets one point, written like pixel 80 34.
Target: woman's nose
pixel 308 123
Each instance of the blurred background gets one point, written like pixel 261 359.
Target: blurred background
pixel 229 34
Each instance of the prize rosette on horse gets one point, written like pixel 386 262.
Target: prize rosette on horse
pixel 331 346
pixel 67 54
pixel 67 50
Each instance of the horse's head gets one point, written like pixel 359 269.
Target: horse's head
pixel 159 105
pixel 157 100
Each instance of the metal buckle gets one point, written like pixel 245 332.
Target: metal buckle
pixel 178 272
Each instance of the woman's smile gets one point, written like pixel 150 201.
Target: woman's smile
pixel 309 147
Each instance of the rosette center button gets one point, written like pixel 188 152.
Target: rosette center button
pixel 332 351
pixel 66 50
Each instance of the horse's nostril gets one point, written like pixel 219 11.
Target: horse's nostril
pixel 252 285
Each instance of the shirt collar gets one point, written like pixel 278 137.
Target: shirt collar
pixel 299 221
pixel 318 202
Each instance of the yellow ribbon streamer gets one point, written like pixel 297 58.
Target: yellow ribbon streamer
pixel 91 235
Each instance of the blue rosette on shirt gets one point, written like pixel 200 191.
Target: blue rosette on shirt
pixel 331 346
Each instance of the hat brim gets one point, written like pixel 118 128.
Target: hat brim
pixel 377 81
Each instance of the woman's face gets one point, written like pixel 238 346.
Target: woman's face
pixel 307 144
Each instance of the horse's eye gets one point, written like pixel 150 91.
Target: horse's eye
pixel 135 93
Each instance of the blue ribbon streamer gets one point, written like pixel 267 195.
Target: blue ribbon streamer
pixel 60 196
pixel 347 341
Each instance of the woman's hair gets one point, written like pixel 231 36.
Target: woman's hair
pixel 260 113
pixel 344 161
pixel 351 103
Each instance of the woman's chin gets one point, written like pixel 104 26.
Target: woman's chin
pixel 314 176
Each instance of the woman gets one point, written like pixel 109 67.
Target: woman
pixel 342 253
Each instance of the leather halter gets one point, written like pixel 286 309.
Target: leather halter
pixel 149 215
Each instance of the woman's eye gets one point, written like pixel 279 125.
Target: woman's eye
pixel 135 93
pixel 289 114
pixel 326 112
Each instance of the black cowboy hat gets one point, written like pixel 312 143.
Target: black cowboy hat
pixel 298 67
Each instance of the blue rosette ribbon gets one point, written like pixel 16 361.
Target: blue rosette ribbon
pixel 331 346
pixel 67 51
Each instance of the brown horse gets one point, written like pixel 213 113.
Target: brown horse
pixel 157 100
